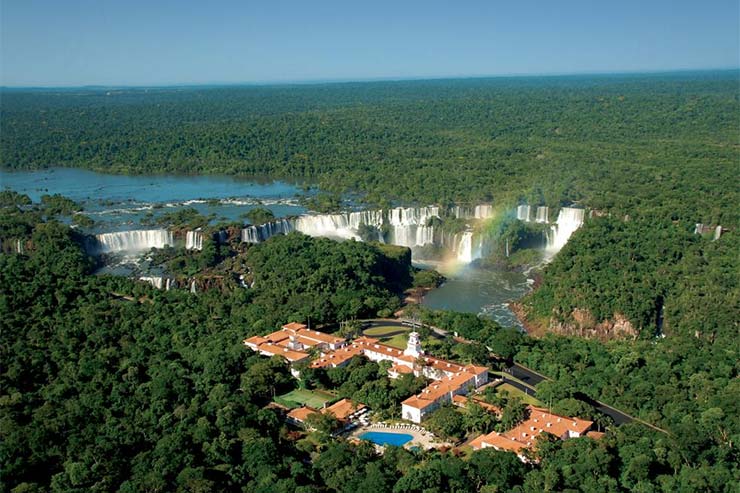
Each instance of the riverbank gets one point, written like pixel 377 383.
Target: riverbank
pixel 531 327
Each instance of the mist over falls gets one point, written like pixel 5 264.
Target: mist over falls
pixel 412 227
pixel 132 241
pixel 403 226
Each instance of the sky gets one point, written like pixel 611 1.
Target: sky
pixel 163 42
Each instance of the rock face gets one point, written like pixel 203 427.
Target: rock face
pixel 580 323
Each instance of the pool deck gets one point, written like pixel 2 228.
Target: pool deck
pixel 420 437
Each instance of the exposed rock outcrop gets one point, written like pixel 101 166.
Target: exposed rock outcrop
pixel 580 323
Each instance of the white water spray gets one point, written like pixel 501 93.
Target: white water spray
pixel 569 220
pixel 194 240
pixel 133 241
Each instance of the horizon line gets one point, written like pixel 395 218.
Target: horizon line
pixel 343 80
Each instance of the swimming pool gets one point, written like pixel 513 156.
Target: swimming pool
pixel 383 438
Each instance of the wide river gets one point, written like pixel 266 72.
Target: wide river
pixel 119 202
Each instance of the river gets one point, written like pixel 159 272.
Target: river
pixel 486 292
pixel 120 202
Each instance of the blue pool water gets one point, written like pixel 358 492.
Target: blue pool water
pixel 381 438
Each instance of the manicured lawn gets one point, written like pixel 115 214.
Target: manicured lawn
pixel 303 397
pixel 384 330
pixel 398 341
pixel 527 399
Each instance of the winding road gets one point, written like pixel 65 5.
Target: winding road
pixel 532 378
pixel 526 379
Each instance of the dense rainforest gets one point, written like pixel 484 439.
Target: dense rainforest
pixel 658 151
pixel 111 385
pixel 653 275
pixel 660 144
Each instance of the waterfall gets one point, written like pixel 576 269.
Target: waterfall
pixel 192 287
pixel 483 211
pixel 19 246
pixel 156 281
pixel 371 218
pixel 717 233
pixel 333 225
pixel 460 212
pixel 194 240
pixel 412 236
pixel 523 213
pixel 159 282
pixel 407 226
pixel 411 216
pixel 257 234
pixel 465 247
pixel 133 241
pixel 569 220
pixel 468 247
pixel 542 214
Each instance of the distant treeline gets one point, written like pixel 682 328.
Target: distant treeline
pixel 658 144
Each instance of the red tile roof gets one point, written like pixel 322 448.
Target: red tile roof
pixel 437 389
pixel 338 357
pixel 277 350
pixel 295 326
pixel 342 409
pixel 497 441
pixel 539 421
pixel 401 369
pixel 277 342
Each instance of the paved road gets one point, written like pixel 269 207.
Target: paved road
pixel 532 378
pixel 524 374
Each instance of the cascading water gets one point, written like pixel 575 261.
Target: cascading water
pixel 542 215
pixel 332 225
pixel 569 220
pixel 156 281
pixel 464 250
pixel 257 234
pixel 406 226
pixel 483 211
pixel 411 216
pixel 523 213
pixel 409 226
pixel 133 241
pixel 194 240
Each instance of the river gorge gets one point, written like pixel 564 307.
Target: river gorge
pixel 450 239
